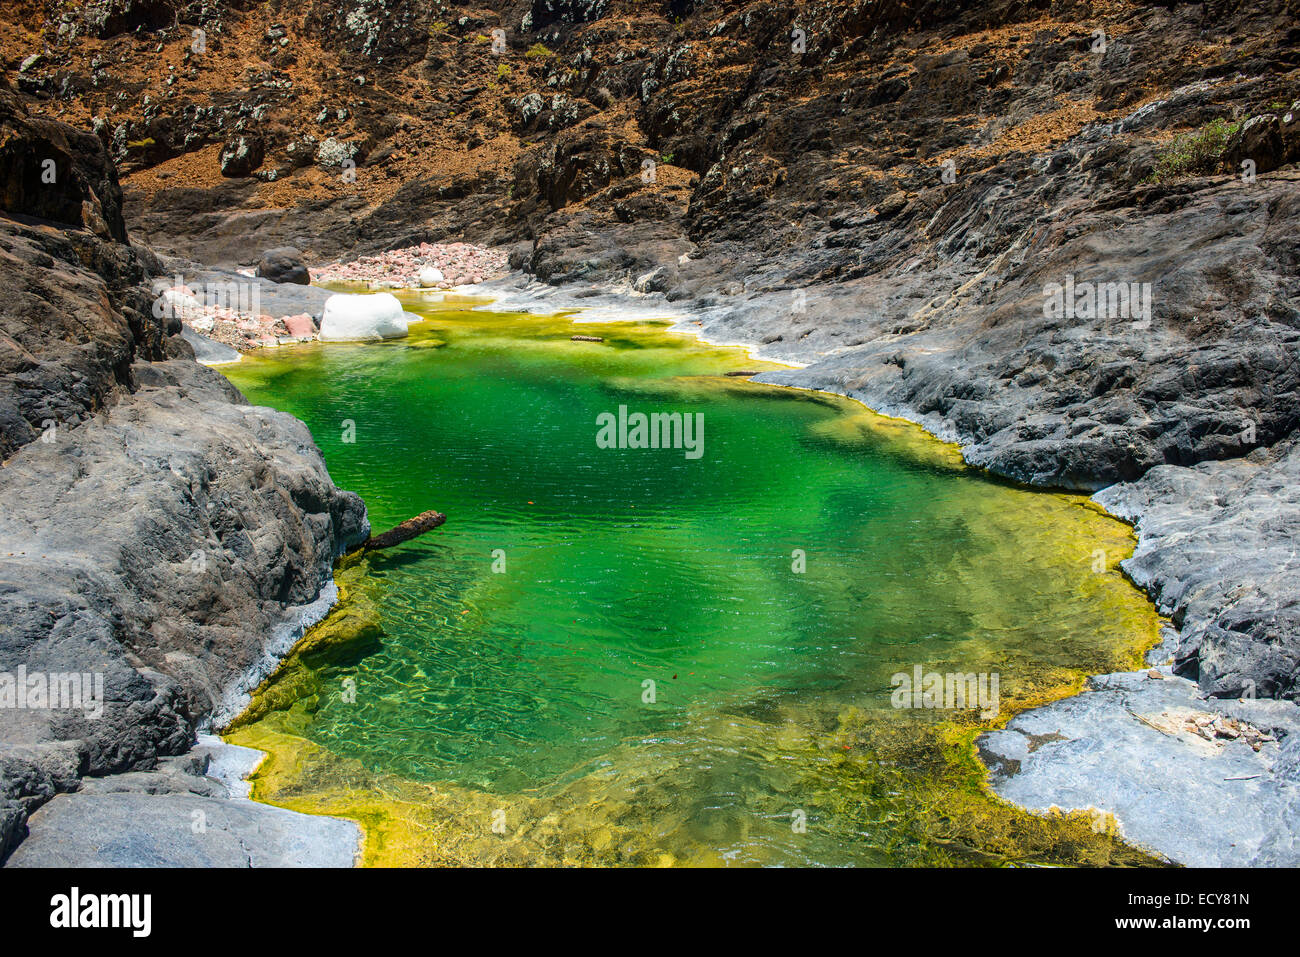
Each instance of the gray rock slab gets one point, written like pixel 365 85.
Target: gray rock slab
pixel 1192 801
pixel 273 298
pixel 208 351
pixel 131 829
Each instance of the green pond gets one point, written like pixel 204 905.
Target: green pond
pixel 684 655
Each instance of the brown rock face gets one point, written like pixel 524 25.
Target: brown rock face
pixel 50 170
pixel 156 531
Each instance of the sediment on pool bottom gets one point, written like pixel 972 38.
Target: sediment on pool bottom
pixel 496 713
pixel 908 783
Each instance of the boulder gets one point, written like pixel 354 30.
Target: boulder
pixel 1269 141
pixel 53 171
pixel 375 316
pixel 241 155
pixel 283 264
pixel 659 279
pixel 139 829
pixel 300 325
pixel 431 276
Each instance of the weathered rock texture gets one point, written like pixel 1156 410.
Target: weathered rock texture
pixel 155 529
pixel 1127 747
pixel 186 812
pixel 880 191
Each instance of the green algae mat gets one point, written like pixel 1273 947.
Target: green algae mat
pixel 674 617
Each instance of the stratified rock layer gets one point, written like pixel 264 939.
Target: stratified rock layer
pixel 156 532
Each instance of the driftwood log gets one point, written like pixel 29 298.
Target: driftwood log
pixel 587 338
pixel 742 372
pixel 424 522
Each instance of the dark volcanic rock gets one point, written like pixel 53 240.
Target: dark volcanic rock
pixel 169 542
pixel 1218 551
pixel 241 155
pixel 52 171
pixel 283 265
pixel 74 331
pixel 106 18
pixel 545 12
pixel 157 533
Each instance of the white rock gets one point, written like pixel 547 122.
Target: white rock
pixel 178 301
pixel 431 276
pixel 375 316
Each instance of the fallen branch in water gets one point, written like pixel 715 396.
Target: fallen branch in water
pixel 587 338
pixel 424 522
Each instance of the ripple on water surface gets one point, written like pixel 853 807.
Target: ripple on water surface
pixel 635 656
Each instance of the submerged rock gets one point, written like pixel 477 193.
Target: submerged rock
pixel 377 316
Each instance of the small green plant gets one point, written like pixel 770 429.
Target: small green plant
pixel 1200 151
pixel 538 50
pixel 503 70
pixel 666 159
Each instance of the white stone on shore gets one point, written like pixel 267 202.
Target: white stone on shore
pixel 431 276
pixel 375 316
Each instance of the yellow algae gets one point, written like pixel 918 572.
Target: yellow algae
pixel 741 776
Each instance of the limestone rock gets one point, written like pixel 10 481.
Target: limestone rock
pixel 376 316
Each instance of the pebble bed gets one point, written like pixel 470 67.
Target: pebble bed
pixel 460 264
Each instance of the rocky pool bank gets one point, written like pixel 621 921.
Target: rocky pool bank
pixel 157 534
pixel 1182 425
pixel 887 210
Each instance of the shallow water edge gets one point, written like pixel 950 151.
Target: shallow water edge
pixel 952 741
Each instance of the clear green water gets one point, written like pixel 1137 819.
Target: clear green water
pixel 504 658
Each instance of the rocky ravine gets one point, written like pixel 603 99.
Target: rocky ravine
pixel 879 191
pixel 155 530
